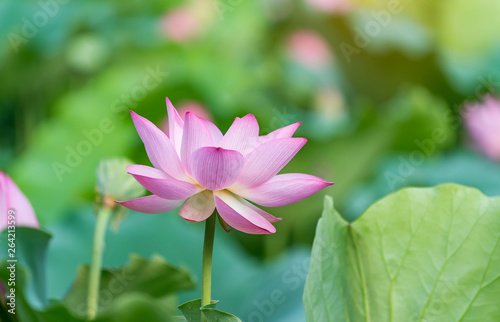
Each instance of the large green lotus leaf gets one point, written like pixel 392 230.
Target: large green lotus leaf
pixel 420 254
pixel 154 277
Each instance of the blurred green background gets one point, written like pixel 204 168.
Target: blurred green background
pixel 371 81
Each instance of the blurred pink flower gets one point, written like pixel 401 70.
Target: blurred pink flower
pixel 200 168
pixel 12 198
pixel 333 6
pixel 185 107
pixel 483 122
pixel 309 49
pixel 181 24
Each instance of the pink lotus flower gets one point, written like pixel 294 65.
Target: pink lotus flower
pixel 483 122
pixel 12 198
pixel 198 167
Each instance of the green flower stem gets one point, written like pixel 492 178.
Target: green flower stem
pixel 206 272
pixel 95 266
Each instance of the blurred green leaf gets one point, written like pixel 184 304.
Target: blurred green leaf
pixel 23 309
pixel 142 290
pixel 248 277
pixel 58 312
pixel 30 278
pixel 133 307
pixel 154 277
pixel 30 253
pixel 441 243
pixel 129 307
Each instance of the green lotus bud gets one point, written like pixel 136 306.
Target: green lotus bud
pixel 114 183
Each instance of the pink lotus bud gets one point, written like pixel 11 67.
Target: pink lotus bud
pixel 483 122
pixel 309 49
pixel 14 206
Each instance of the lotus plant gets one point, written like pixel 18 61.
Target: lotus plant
pixel 199 168
pixel 112 183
